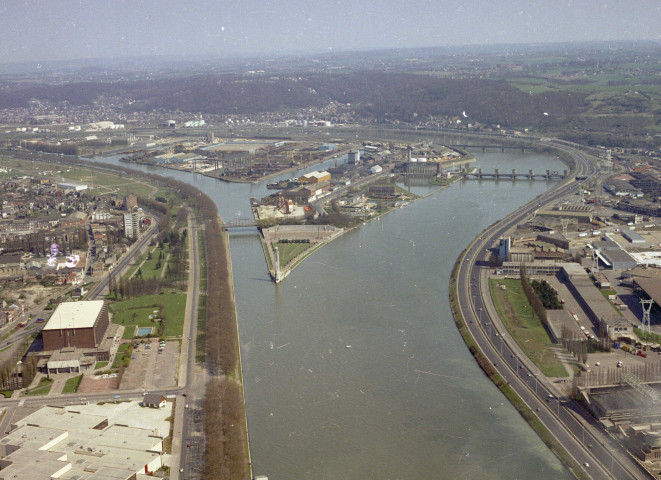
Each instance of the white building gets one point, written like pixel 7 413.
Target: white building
pixel 72 186
pixel 131 225
pixel 86 442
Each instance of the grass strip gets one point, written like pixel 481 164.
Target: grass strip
pixel 524 326
pixel 43 388
pixel 71 385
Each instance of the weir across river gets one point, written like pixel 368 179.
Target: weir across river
pixel 497 175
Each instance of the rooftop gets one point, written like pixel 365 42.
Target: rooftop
pixel 75 315
pixel 88 442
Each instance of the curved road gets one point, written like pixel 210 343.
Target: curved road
pixel 574 428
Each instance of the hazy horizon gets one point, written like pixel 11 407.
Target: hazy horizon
pixel 41 30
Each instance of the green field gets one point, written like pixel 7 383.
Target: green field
pixel 136 311
pixel 43 388
pixel 148 268
pixel 71 386
pixel 100 365
pixel 289 251
pixel 81 175
pixel 524 326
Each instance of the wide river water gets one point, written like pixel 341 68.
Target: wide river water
pixel 353 367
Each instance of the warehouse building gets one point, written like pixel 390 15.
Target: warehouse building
pixel 616 327
pixel 76 324
pixel 532 268
pixel 119 441
pixel 586 293
pixel 315 177
pixel 632 237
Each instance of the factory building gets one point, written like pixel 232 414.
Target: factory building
pixel 307 193
pixel 532 268
pixel 315 177
pixel 76 324
pixel 586 293
pixel 383 190
pixel 615 327
pixel 556 239
pixel 353 157
pixel 429 169
pixel 575 213
pixel 632 237
pixel 119 441
pixel 617 259
pixel 76 187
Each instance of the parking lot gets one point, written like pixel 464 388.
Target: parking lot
pixel 152 367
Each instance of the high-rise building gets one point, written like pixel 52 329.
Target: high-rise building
pixel 131 225
pixel 504 249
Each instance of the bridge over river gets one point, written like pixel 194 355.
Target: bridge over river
pixel 498 175
pixel 239 222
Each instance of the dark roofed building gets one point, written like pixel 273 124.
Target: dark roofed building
pixel 154 400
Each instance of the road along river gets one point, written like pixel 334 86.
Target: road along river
pixel 353 367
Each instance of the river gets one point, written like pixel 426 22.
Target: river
pixel 353 367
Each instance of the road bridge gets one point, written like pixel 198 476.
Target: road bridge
pixel 239 222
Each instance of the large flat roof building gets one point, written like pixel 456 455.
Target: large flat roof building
pixel 76 324
pixel 86 442
pixel 586 293
pixel 632 236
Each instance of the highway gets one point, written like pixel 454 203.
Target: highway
pixel 570 424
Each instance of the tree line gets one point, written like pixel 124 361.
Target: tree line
pixel 546 294
pixel 533 298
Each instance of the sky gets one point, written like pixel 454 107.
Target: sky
pixel 41 30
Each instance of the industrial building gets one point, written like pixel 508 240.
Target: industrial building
pixel 586 294
pixel 307 193
pixel 617 259
pixel 532 268
pixel 76 324
pixel 632 237
pixel 575 213
pixel 115 441
pixel 76 187
pixel 315 177
pixel 554 238
pixel 353 157
pixel 428 169
pixel 649 287
pixel 382 190
pixel 615 327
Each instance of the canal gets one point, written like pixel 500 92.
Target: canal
pixel 353 367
